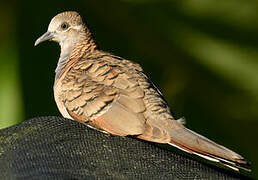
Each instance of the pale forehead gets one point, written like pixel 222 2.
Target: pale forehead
pixel 71 17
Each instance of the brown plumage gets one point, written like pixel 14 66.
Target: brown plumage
pixel 114 95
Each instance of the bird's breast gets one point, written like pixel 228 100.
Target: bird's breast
pixel 58 98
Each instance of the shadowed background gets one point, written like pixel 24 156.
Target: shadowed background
pixel 202 55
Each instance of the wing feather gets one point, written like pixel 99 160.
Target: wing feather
pixel 104 95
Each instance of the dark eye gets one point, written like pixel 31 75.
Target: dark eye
pixel 64 26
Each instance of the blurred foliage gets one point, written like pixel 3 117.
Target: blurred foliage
pixel 10 91
pixel 202 54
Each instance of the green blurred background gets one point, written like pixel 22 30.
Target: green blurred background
pixel 202 54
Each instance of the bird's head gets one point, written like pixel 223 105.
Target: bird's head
pixel 66 28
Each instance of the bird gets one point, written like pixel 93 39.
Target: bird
pixel 114 95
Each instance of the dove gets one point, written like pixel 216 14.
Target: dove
pixel 115 96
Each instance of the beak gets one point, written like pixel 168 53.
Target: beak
pixel 47 36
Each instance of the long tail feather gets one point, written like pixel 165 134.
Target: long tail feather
pixel 194 143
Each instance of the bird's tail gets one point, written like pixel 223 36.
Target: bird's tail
pixel 194 143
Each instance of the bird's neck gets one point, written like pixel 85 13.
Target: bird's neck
pixel 72 52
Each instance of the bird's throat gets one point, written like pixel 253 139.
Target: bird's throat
pixel 63 59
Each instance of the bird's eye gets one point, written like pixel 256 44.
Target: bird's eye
pixel 64 26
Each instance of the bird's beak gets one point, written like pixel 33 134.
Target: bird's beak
pixel 47 36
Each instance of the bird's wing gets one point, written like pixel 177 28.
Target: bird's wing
pixel 105 96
